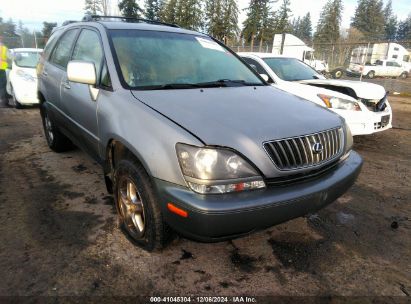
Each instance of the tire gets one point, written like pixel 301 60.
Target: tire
pixel 338 73
pixel 371 74
pixel 56 140
pixel 140 217
pixel 16 104
pixel 404 75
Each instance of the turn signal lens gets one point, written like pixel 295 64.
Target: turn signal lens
pixel 177 210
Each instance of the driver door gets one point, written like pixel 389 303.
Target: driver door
pixel 77 101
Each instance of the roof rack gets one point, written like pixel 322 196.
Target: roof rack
pixel 88 18
pixel 68 22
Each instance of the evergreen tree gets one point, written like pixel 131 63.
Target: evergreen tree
pixel 47 28
pixel 129 8
pixel 93 7
pixel 306 28
pixel 391 22
pixel 369 19
pixel 153 8
pixel 189 14
pixel 302 28
pixel 258 22
pixel 280 18
pixel 328 27
pixel 221 18
pixel 404 29
pixel 168 12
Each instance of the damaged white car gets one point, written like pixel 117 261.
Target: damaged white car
pixel 363 105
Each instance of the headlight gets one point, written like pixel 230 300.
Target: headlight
pixel 24 75
pixel 339 103
pixel 216 170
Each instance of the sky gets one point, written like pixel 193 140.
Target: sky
pixel 33 12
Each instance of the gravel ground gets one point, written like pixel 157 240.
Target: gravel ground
pixel 59 235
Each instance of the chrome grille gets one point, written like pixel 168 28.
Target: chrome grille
pixel 298 152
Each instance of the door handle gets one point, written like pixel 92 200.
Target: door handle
pixel 66 85
pixel 44 74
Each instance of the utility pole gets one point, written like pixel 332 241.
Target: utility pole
pixel 35 39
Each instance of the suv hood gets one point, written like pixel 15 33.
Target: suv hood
pixel 365 90
pixel 310 92
pixel 241 118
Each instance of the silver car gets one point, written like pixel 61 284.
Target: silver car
pixel 191 138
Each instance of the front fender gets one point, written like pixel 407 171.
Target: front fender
pixel 150 136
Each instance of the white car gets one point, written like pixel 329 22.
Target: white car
pixel 363 105
pixel 385 68
pixel 22 77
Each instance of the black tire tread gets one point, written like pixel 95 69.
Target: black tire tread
pixel 60 143
pixel 159 232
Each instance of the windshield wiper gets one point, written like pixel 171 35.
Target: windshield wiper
pixel 169 86
pixel 227 83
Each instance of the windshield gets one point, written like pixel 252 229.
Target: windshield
pixel 26 59
pixel 153 60
pixel 290 69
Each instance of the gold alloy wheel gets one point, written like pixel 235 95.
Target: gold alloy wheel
pixel 131 207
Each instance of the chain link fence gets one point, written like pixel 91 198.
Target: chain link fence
pixel 349 60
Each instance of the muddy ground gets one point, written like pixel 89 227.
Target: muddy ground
pixel 59 236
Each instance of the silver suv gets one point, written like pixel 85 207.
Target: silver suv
pixel 189 136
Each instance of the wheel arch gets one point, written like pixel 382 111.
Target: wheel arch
pixel 117 149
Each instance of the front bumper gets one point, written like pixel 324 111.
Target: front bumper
pixel 218 217
pixel 366 122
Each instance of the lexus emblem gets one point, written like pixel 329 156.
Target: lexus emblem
pixel 317 148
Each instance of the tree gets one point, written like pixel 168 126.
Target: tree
pixel 47 28
pixel 153 9
pixel 189 14
pixel 93 7
pixel 306 28
pixel 221 18
pixel 302 28
pixel 280 18
pixel 328 27
pixel 258 22
pixel 391 22
pixel 168 12
pixel 130 8
pixel 230 18
pixel 404 29
pixel 369 19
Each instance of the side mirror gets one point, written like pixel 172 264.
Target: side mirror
pixel 265 77
pixel 82 72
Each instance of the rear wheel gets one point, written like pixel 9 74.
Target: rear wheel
pixel 56 140
pixel 371 74
pixel 404 75
pixel 140 216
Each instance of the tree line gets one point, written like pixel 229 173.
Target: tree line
pixel 372 21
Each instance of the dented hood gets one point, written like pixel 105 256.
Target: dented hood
pixel 365 90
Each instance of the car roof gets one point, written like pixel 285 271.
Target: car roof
pixel 118 25
pixel 26 50
pixel 263 55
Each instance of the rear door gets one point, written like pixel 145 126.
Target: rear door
pixel 55 68
pixel 77 101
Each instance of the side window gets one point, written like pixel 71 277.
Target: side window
pixel 390 63
pixel 50 44
pixel 61 54
pixel 105 80
pixel 88 48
